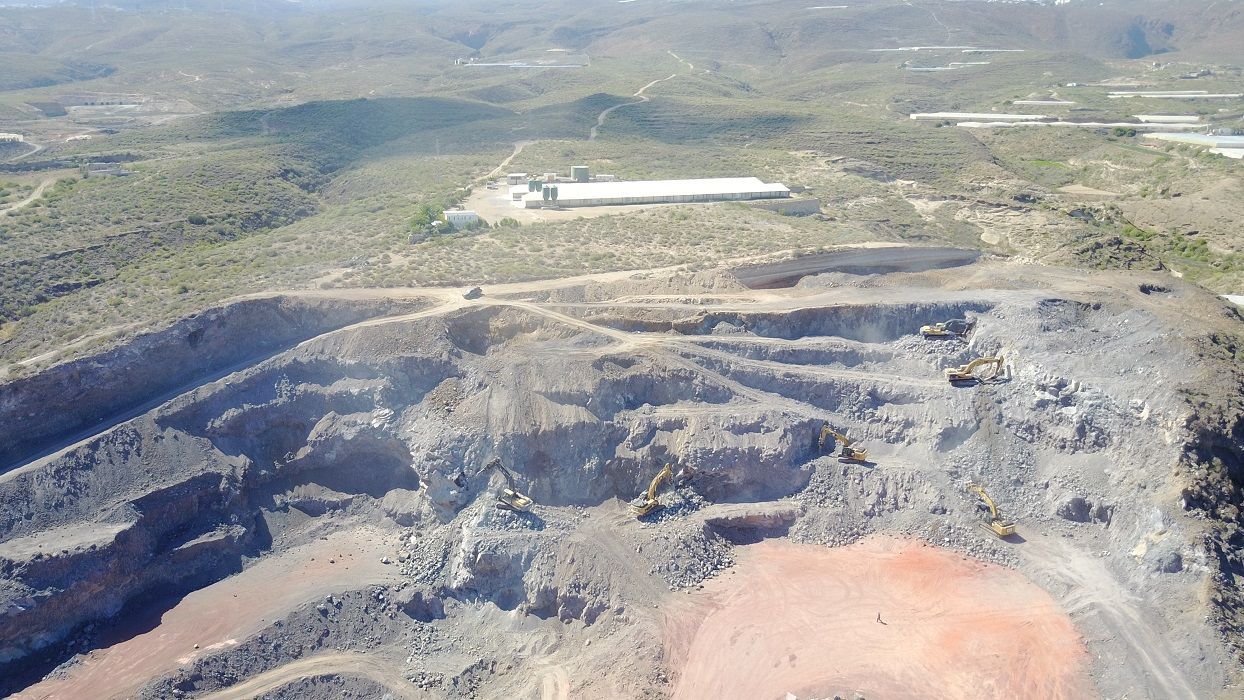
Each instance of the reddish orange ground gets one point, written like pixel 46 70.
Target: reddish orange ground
pixel 222 614
pixel 803 619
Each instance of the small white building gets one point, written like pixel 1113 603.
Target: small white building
pixel 11 138
pixel 461 218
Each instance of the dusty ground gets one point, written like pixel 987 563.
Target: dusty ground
pixel 218 616
pixel 495 205
pixel 584 387
pixel 884 618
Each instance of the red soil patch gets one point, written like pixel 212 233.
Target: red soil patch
pixel 803 619
pixel 222 614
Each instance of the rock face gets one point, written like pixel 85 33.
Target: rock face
pixel 1076 509
pixel 393 422
pixel 78 395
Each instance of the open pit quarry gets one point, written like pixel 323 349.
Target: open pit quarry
pixel 288 497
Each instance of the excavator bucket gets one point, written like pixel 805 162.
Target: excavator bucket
pixel 992 519
pixel 972 371
pixel 648 501
pixel 846 452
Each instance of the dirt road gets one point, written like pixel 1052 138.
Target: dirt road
pixel 383 670
pixel 600 118
pixel 1092 590
pixel 887 618
pixel 223 614
pixel 518 148
pixel 36 194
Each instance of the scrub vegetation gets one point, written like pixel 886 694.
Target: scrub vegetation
pixel 305 159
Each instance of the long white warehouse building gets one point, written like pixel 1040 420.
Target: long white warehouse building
pixel 604 194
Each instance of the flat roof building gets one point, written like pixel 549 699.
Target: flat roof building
pixel 604 194
pixel 461 219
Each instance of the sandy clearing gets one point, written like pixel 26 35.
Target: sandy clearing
pixel 803 619
pixel 224 613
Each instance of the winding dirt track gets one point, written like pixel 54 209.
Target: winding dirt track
pixel 37 193
pixel 600 118
pixel 804 619
pixel 518 148
pixel 385 671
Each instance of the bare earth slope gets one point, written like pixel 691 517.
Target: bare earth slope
pixel 376 434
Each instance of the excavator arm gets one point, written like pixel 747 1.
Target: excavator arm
pixel 509 497
pixel 847 452
pixel 994 522
pixel 648 501
pixel 967 373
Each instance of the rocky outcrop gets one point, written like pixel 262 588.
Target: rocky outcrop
pixel 80 394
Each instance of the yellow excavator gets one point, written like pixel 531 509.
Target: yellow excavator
pixel 993 521
pixel 968 372
pixel 647 501
pixel 509 497
pixel 847 453
pixel 955 327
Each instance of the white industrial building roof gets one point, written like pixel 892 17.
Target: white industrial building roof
pixel 660 189
pixel 1201 139
pixel 978 116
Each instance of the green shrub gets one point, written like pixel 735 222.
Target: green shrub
pixel 426 215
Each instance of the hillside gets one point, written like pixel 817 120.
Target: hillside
pixel 239 346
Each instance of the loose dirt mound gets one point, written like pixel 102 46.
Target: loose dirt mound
pixel 804 620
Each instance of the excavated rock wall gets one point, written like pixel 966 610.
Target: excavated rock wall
pixel 396 420
pixel 76 395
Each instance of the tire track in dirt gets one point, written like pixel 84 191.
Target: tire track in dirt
pixel 36 194
pixel 886 617
pixel 1092 590
pixel 382 670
